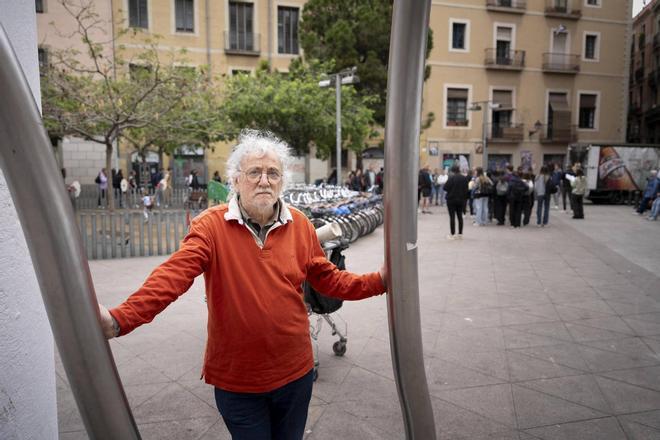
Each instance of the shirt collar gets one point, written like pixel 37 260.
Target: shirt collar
pixel 234 211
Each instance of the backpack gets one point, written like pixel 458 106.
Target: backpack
pixel 485 189
pixel 551 187
pixel 98 179
pixel 502 187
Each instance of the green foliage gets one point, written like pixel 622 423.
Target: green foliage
pixel 353 33
pixel 296 109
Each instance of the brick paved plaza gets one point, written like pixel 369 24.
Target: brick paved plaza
pixel 535 333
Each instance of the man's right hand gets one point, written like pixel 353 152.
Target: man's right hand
pixel 107 323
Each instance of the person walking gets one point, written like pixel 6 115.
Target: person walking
pixel 543 187
pixel 557 176
pixel 425 187
pixel 652 186
pixel 501 197
pixel 255 252
pixel 441 180
pixel 483 188
pixel 517 192
pixel 456 189
pixel 102 182
pixel 579 186
pixel 528 200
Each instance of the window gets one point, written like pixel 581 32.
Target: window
pixel 43 60
pixel 502 116
pixel 241 36
pixel 503 42
pixel 593 3
pixel 235 72
pixel 40 6
pixel 458 35
pixel 559 115
pixel 287 30
pixel 457 107
pixel 591 46
pixel 587 116
pixel 137 14
pixel 184 12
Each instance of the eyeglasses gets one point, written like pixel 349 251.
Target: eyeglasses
pixel 254 175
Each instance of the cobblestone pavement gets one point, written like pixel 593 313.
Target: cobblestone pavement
pixel 537 333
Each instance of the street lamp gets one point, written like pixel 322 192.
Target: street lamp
pixel 346 76
pixel 485 106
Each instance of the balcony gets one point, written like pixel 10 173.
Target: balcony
pixel 511 6
pixel 505 132
pixel 507 60
pixel 561 9
pixel 242 43
pixel 656 42
pixel 559 134
pixel 561 63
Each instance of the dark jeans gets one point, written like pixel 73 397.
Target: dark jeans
pixel 578 210
pixel 500 209
pixel 565 190
pixel 542 209
pixel 644 204
pixel 101 197
pixel 455 210
pixel 516 212
pixel 528 202
pixel 280 414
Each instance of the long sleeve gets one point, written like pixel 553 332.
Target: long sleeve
pixel 327 279
pixel 167 282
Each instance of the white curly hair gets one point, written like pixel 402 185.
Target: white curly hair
pixel 257 142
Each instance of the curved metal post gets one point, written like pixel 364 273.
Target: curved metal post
pixel 404 97
pixel 52 236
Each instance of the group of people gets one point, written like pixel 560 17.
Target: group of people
pixel 650 197
pixel 488 195
pixel 359 180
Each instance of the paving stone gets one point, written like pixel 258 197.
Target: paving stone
pixel 442 375
pixel 520 339
pixel 583 390
pixel 455 422
pixel 597 429
pixel 643 327
pixel 605 360
pixel 648 418
pixel 534 409
pixel 173 403
pixel 585 333
pixel 178 429
pixel 556 330
pixel 635 347
pixel 565 354
pixel 569 313
pixel 492 401
pixel 626 398
pixel 523 368
pixel 636 431
pixel 648 377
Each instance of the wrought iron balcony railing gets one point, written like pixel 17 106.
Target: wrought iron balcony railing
pixel 561 63
pixel 512 6
pixel 507 60
pixel 242 43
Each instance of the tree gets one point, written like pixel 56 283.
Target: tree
pixel 102 93
pixel 353 33
pixel 296 109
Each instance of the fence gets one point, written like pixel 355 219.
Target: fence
pixel 129 234
pixel 176 198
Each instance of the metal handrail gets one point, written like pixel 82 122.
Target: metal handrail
pixel 511 59
pixel 35 184
pixel 561 62
pixel 410 21
pixel 513 4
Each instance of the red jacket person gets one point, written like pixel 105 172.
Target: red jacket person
pixel 254 252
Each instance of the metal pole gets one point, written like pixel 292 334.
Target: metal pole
pixel 485 135
pixel 404 97
pixel 57 253
pixel 338 116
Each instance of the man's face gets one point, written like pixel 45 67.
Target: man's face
pixel 259 183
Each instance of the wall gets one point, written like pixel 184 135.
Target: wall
pixel 28 406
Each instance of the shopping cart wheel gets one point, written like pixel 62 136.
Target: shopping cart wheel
pixel 315 374
pixel 339 348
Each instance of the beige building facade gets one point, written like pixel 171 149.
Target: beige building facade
pixel 544 73
pixel 644 76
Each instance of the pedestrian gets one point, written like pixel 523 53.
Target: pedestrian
pixel 147 203
pixel 380 181
pixel 501 197
pixel 116 185
pixel 565 189
pixel 528 200
pixel 193 180
pixel 357 181
pixel 652 185
pixel 579 185
pixel 425 183
pixel 255 252
pixel 441 180
pixel 655 207
pixel 216 176
pixel 456 189
pixel 557 176
pixel 517 192
pixel 102 182
pixel 543 189
pixel 483 188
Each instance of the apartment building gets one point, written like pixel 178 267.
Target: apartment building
pixel 527 78
pixel 644 107
pixel 230 36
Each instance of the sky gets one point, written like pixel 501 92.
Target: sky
pixel 637 6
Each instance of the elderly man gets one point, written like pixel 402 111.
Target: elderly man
pixel 652 186
pixel 254 252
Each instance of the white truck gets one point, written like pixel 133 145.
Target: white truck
pixel 615 173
